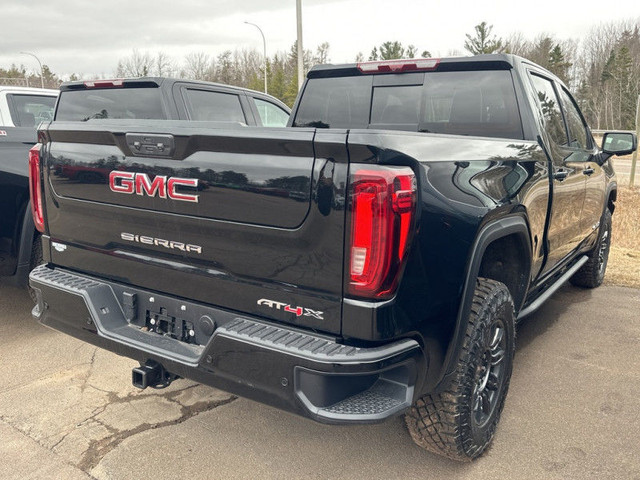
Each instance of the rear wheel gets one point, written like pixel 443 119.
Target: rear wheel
pixel 36 259
pixel 591 274
pixel 460 422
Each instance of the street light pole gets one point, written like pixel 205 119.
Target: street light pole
pixel 300 50
pixel 264 44
pixel 40 63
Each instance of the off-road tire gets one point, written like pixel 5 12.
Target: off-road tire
pixel 591 274
pixel 446 422
pixel 36 259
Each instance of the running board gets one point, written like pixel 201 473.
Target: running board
pixel 537 303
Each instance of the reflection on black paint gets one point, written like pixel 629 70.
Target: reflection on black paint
pixel 240 189
pixel 325 191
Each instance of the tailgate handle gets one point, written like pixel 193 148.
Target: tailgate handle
pixel 150 145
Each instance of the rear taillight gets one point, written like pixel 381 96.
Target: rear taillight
pixel 35 188
pixel 383 206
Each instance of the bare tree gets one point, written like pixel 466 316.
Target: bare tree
pixel 135 65
pixel 163 65
pixel 322 54
pixel 198 66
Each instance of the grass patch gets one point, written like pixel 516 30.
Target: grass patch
pixel 624 259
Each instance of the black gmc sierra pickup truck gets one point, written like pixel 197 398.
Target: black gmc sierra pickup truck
pixel 21 111
pixel 368 260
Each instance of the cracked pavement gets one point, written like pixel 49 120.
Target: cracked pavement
pixel 68 410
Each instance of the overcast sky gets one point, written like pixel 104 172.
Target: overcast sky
pixel 88 37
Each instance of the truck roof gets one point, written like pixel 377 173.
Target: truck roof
pixel 28 90
pixel 152 81
pixel 500 61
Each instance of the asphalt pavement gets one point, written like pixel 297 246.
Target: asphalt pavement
pixel 68 410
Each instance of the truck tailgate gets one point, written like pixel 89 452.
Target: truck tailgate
pixel 248 219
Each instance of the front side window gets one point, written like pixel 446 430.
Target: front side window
pixel 270 114
pixel 30 110
pixel 577 128
pixel 550 108
pixel 208 106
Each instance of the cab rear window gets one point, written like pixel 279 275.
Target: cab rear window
pixel 110 103
pixel 479 103
pixel 30 110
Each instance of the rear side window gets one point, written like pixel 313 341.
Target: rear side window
pixel 118 103
pixel 550 108
pixel 479 103
pixel 30 110
pixel 271 115
pixel 208 106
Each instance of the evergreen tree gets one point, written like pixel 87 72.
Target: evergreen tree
pixel 391 50
pixel 483 42
pixel 558 65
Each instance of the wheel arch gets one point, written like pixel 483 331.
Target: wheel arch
pixel 612 196
pixel 500 239
pixel 25 244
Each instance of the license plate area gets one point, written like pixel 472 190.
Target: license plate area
pixel 168 317
pixel 162 323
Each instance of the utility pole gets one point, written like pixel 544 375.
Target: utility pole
pixel 41 70
pixel 634 158
pixel 300 49
pixel 264 45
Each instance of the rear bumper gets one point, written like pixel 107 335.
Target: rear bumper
pixel 304 373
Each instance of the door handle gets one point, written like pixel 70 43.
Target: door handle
pixel 588 170
pixel 561 174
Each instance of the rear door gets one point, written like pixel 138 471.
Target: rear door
pixel 231 217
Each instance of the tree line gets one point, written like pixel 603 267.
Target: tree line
pixel 602 68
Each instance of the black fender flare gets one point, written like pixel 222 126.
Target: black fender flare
pixel 610 188
pixel 25 246
pixel 496 229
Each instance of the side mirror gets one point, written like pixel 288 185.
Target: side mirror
pixel 619 143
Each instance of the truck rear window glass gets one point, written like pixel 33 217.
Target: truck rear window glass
pixel 30 110
pixel 480 103
pixel 396 105
pixel 119 103
pixel 341 102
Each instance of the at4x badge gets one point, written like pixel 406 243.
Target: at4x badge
pixel 299 311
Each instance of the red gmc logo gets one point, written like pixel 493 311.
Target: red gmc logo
pixel 161 186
